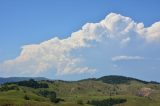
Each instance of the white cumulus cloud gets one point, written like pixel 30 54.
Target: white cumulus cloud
pixel 56 54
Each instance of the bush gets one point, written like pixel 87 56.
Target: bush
pixel 107 102
pixel 9 87
pixel 51 95
pixel 53 98
pixel 26 97
pixel 47 93
pixel 80 102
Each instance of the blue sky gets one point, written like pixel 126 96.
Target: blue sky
pixel 27 22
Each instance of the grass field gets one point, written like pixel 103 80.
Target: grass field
pixel 80 92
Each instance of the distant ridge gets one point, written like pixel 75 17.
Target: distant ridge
pixel 17 79
pixel 111 79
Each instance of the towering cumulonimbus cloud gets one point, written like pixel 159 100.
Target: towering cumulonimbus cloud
pixel 56 54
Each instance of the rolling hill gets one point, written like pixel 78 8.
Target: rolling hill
pixel 104 91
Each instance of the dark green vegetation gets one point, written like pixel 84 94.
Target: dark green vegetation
pixel 16 79
pixel 32 83
pixel 107 102
pixel 121 80
pixel 104 91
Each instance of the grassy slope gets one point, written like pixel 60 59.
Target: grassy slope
pixel 83 90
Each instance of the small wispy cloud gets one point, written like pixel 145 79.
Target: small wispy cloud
pixel 125 58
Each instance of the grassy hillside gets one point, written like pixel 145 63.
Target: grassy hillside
pixel 106 91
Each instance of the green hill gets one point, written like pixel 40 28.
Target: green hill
pixel 104 91
pixel 113 79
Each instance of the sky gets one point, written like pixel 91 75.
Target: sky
pixel 72 40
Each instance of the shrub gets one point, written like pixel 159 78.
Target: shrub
pixel 26 97
pixel 80 102
pixel 9 87
pixel 47 93
pixel 53 98
pixel 107 102
pixel 51 95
